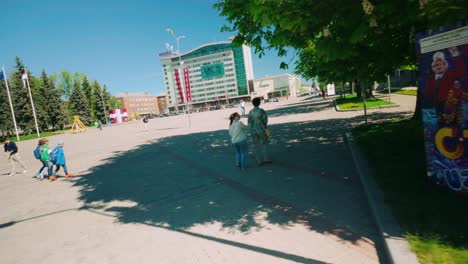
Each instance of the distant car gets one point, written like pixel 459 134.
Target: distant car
pixel 273 99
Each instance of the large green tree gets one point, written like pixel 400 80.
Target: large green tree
pixel 79 106
pixel 339 40
pixel 88 93
pixel 6 124
pixel 21 99
pixel 100 104
pixel 54 107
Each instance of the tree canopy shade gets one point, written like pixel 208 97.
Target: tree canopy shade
pixel 339 40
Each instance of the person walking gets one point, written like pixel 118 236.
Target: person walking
pixel 59 159
pixel 145 121
pixel 11 149
pixel 37 155
pixel 242 107
pixel 238 133
pixel 100 124
pixel 258 121
pixel 45 158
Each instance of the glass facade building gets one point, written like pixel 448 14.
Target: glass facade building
pixel 217 72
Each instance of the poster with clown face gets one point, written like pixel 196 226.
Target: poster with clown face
pixel 443 66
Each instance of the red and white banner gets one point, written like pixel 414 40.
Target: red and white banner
pixel 188 93
pixel 118 115
pixel 179 87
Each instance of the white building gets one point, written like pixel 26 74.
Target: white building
pixel 218 72
pixel 276 86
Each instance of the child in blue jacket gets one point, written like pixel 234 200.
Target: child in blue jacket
pixel 59 159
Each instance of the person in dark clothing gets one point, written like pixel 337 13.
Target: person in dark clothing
pixel 12 151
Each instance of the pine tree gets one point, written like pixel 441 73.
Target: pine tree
pixel 54 107
pixel 21 100
pixel 40 96
pixel 88 93
pixel 6 124
pixel 100 108
pixel 79 105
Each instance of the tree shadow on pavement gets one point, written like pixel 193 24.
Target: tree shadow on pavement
pixel 301 108
pixel 184 181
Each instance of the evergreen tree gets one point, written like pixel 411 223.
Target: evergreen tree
pixel 88 93
pixel 100 106
pixel 21 100
pixel 78 105
pixel 54 107
pixel 40 96
pixel 6 124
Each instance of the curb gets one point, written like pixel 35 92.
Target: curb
pixel 396 246
pixel 337 108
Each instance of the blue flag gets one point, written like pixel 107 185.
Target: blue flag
pixel 2 77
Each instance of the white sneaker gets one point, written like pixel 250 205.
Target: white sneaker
pixel 11 174
pixel 25 171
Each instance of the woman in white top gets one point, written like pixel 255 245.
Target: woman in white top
pixel 238 133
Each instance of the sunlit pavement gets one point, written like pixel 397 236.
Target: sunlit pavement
pixel 173 194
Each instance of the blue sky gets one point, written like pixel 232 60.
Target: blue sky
pixel 115 42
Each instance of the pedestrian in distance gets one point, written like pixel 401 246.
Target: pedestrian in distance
pixel 260 134
pixel 238 133
pixel 145 122
pixel 242 107
pixel 45 158
pixel 100 124
pixel 37 155
pixel 58 159
pixel 11 150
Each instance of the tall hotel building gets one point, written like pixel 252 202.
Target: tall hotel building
pixel 217 71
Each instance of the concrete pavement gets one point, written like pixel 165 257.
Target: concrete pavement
pixel 173 195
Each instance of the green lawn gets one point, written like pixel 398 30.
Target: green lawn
pixel 407 92
pixel 435 221
pixel 34 136
pixel 352 102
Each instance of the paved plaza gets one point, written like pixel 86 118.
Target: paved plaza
pixel 173 194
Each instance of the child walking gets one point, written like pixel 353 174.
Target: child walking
pixel 59 159
pixel 45 159
pixel 37 154
pixel 237 131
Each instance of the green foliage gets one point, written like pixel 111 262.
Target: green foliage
pixel 354 102
pixel 431 217
pixel 115 103
pixel 100 103
pixel 79 105
pixel 54 106
pixel 339 41
pixel 88 93
pixel 6 124
pixel 21 99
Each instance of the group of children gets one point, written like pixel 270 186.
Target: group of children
pixel 49 158
pixel 44 154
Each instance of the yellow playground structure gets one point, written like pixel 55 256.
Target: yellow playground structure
pixel 77 126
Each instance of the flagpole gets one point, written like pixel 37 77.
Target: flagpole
pixel 11 104
pixel 32 105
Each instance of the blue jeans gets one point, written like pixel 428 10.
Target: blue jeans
pixel 241 153
pixel 58 168
pixel 47 164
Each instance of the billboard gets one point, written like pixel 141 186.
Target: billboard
pixel 212 71
pixel 443 64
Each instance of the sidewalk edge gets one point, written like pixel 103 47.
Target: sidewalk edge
pixel 396 246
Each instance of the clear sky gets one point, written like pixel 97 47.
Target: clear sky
pixel 113 41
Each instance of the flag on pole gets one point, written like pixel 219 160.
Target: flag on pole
pixel 24 77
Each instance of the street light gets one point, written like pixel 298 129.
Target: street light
pixel 170 31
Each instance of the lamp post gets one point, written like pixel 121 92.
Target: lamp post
pixel 186 110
